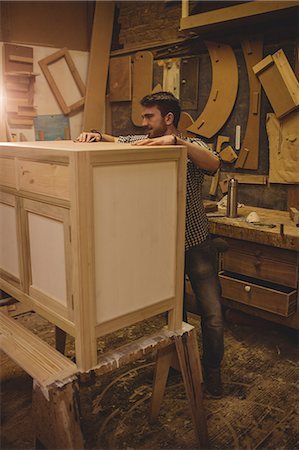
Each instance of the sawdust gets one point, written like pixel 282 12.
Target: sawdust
pixel 258 410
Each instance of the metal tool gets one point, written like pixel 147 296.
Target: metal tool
pixel 262 224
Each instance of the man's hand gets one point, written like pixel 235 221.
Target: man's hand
pixel 89 137
pixel 168 139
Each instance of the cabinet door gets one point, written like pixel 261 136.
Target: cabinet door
pixel 48 249
pixel 11 267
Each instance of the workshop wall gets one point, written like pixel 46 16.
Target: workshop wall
pixel 44 28
pixel 144 22
pixel 145 26
pixel 52 24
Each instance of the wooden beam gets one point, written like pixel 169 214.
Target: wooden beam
pixel 233 13
pixel 94 109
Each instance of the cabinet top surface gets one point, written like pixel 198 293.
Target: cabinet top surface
pixel 70 146
pixel 286 236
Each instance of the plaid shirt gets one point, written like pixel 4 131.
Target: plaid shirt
pixel 197 227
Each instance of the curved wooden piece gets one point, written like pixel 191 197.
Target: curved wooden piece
pixel 249 153
pixel 142 83
pixel 223 92
pixel 185 122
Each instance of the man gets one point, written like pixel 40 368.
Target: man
pixel 161 113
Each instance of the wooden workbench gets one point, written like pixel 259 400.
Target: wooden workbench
pixel 238 228
pixel 259 272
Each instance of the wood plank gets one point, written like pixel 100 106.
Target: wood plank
pixel 24 59
pixel 244 178
pixel 120 79
pixel 231 13
pixel 142 83
pixel 83 259
pixel 40 360
pixel 94 108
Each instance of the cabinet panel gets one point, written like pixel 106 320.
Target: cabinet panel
pixel 8 172
pixel 278 300
pixel 49 255
pixel 135 217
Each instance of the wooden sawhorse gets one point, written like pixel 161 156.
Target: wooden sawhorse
pixel 56 393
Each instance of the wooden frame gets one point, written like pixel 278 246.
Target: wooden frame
pixel 230 13
pixel 63 195
pixel 44 63
pixel 8 200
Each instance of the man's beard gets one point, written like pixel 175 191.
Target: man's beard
pixel 156 133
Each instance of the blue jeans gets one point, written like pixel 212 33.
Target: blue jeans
pixel 201 268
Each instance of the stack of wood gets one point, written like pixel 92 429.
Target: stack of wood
pixel 19 85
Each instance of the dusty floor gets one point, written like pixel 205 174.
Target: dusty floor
pixel 259 409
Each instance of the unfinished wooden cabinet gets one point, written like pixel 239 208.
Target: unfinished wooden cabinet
pixel 92 235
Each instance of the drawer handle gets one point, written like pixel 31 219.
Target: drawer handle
pixel 247 288
pixel 257 263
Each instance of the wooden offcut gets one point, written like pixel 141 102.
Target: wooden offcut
pixel 220 141
pixel 230 14
pixel 228 154
pixel 184 123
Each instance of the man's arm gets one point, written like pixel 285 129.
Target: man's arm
pixel 94 136
pixel 199 154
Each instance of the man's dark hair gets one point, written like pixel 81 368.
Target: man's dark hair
pixel 166 102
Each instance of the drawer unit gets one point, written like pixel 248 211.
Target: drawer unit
pixel 44 178
pixel 260 294
pixel 259 261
